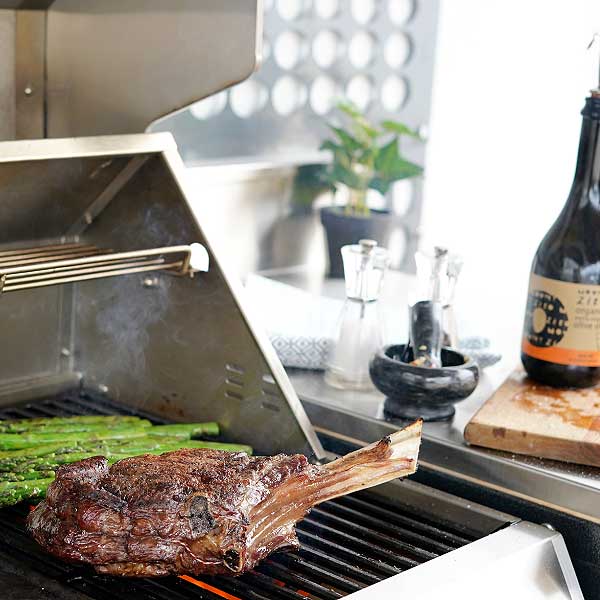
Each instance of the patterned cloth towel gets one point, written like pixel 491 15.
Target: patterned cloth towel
pixel 479 349
pixel 302 326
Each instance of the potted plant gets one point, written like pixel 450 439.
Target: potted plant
pixel 365 156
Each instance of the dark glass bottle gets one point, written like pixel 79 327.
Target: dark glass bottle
pixel 561 336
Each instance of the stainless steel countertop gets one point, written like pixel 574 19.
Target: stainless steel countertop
pixel 574 489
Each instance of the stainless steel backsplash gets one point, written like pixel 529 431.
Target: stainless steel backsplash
pixel 249 213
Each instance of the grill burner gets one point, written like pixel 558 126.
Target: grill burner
pixel 346 544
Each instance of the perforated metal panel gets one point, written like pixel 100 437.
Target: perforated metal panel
pixel 379 53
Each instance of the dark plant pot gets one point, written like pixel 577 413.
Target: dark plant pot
pixel 342 229
pixel 428 393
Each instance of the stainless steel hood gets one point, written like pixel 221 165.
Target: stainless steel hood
pixel 92 68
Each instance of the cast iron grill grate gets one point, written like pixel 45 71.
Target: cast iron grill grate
pixel 346 544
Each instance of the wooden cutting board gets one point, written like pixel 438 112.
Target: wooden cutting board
pixel 527 418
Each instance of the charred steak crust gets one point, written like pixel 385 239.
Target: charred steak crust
pixel 189 511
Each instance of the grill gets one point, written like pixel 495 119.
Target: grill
pixel 346 544
pixel 101 231
pixel 100 312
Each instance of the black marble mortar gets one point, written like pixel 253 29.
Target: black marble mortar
pixel 429 393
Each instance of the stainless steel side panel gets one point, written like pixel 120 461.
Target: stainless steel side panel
pixel 523 561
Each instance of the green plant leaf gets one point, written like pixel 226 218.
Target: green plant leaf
pixel 350 109
pixel 403 169
pixel 381 185
pixel 364 128
pixel 368 156
pixel 369 130
pixel 387 157
pixel 400 129
pixel 390 165
pixel 349 142
pixel 331 146
pixel 342 174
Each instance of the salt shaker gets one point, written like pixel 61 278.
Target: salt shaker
pixel 360 330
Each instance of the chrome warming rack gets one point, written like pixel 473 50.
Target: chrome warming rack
pixel 27 268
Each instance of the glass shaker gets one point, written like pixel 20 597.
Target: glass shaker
pixel 360 331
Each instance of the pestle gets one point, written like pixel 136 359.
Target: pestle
pixel 425 335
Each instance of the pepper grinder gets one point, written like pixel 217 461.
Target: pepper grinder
pixel 437 278
pixel 360 331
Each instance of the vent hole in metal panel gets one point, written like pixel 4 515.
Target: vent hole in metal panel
pixel 234 382
pixel 233 368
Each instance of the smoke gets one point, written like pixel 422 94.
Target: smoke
pixel 125 318
pixel 119 313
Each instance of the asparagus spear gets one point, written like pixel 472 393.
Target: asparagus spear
pixel 26 475
pixel 81 427
pixel 75 423
pixel 9 461
pixel 12 492
pixel 36 451
pixel 18 441
pixel 191 429
pixel 168 444
pixel 64 447
pixel 53 461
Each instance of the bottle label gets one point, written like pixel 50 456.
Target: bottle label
pixel 562 322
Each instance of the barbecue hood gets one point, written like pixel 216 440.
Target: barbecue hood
pixel 83 67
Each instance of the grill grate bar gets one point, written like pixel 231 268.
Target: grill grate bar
pixel 74 407
pixel 300 565
pixel 50 411
pixel 14 413
pixel 275 588
pixel 372 566
pixel 177 589
pixel 238 588
pixel 352 516
pixel 351 541
pixel 323 517
pixel 353 571
pixel 365 504
pixel 297 580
